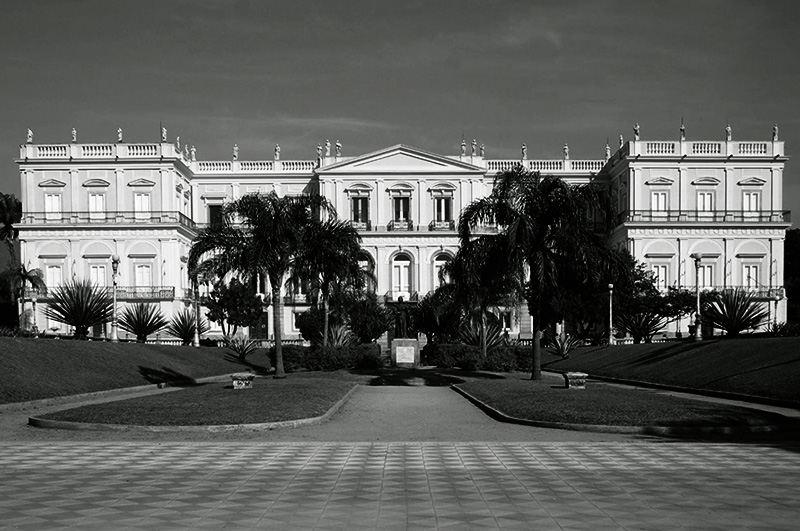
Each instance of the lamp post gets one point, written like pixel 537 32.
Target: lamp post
pixel 777 299
pixel 697 332
pixel 114 269
pixel 611 340
pixel 196 341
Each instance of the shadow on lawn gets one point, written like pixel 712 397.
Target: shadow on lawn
pixel 256 368
pixel 166 375
pixel 423 377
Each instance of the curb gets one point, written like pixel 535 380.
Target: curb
pixel 636 430
pixel 266 426
pixel 122 391
pixel 777 402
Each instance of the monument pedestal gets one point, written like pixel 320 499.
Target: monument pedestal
pixel 405 353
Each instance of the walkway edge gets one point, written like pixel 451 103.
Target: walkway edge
pixel 685 431
pixel 777 402
pixel 265 426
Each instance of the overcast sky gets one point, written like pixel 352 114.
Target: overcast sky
pixel 373 74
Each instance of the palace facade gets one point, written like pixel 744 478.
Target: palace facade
pixel 145 202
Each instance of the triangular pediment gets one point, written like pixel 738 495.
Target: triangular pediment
pixel 142 182
pixel 96 183
pixel 401 159
pixel 659 180
pixel 52 183
pixel 752 181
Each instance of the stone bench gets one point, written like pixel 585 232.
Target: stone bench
pixel 575 380
pixel 243 380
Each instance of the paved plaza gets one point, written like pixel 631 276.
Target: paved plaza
pixel 295 479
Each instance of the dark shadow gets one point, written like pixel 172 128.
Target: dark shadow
pixel 166 375
pixel 411 377
pixel 258 369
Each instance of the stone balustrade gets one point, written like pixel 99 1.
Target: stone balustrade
pixel 705 148
pixel 547 166
pixel 100 151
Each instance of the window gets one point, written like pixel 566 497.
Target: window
pixel 401 276
pixel 143 275
pixel 506 318
pixel 706 274
pixel 215 215
pixel 660 276
pixel 53 276
pixel 360 209
pixel 750 276
pixel 141 205
pixel 705 202
pixel 438 263
pixel 402 206
pixel 443 209
pixel 97 206
pixel 658 201
pixel 97 274
pixel 750 201
pixel 52 206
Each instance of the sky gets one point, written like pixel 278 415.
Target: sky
pixel 373 74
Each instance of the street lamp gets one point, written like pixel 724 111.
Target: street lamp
pixel 611 339
pixel 114 269
pixel 776 299
pixel 697 332
pixel 196 341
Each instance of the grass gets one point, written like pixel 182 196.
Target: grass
pixel 758 366
pixel 32 369
pixel 602 404
pixel 270 400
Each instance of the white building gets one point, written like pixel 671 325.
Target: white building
pixel 145 202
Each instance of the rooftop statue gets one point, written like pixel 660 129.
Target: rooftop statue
pixel 483 150
pixel 277 152
pixel 236 152
pixel 30 137
pixel 775 133
pixel 319 150
pixel 566 151
pixel 621 141
pixel 524 151
pixel 474 147
pixel 119 134
pixel 608 151
pixel 163 134
pixel 178 142
pixel 338 148
pixel 728 133
pixel 74 135
pixel 683 131
pixel 327 148
pixel 636 131
pixel 463 147
pixel 194 153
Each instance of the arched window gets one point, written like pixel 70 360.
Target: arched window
pixel 366 263
pixel 401 276
pixel 439 262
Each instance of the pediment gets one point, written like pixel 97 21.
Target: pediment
pixel 752 181
pixel 142 182
pixel 659 180
pixel 52 183
pixel 400 159
pixel 96 183
pixel 713 181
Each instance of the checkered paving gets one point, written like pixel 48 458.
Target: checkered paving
pixel 398 486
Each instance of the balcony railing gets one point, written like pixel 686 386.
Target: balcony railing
pixel 400 225
pixel 109 217
pixel 442 225
pixel 763 293
pixel 394 296
pixel 362 225
pixel 124 293
pixel 671 216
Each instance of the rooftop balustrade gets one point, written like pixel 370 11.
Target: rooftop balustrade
pixel 110 217
pixel 704 148
pixel 704 216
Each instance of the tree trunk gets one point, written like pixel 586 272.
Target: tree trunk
pixel 536 360
pixel 277 310
pixel 325 322
pixel 483 334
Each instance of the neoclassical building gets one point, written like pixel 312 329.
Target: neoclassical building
pixel 145 202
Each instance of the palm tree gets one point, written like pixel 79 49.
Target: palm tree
pixel 328 260
pixel 19 278
pixel 481 280
pixel 259 236
pixel 10 213
pixel 549 235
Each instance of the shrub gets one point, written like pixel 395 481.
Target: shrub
pixel 293 357
pixel 80 304
pixel 641 325
pixel 470 358
pixel 142 320
pixel 734 311
pixel 368 320
pixel 241 346
pixel 563 346
pixel 449 355
pixel 368 356
pixel 501 359
pixel 182 326
pixel 345 357
pixel 438 355
pixel 523 358
pixel 784 329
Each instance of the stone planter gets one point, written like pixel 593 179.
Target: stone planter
pixel 243 380
pixel 575 380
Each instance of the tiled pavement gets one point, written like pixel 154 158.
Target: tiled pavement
pixel 354 486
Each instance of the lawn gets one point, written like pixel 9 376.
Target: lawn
pixel 602 404
pixel 758 366
pixel 45 368
pixel 270 400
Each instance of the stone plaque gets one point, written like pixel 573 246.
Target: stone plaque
pixel 405 354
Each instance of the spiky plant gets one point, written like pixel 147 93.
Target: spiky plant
pixel 241 346
pixel 341 336
pixel 182 326
pixel 142 319
pixel 562 346
pixel 734 311
pixel 469 333
pixel 641 325
pixel 80 304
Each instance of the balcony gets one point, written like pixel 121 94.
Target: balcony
pixel 394 296
pixel 763 293
pixel 395 225
pixel 701 216
pixel 442 225
pixel 105 218
pixel 124 293
pixel 361 225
